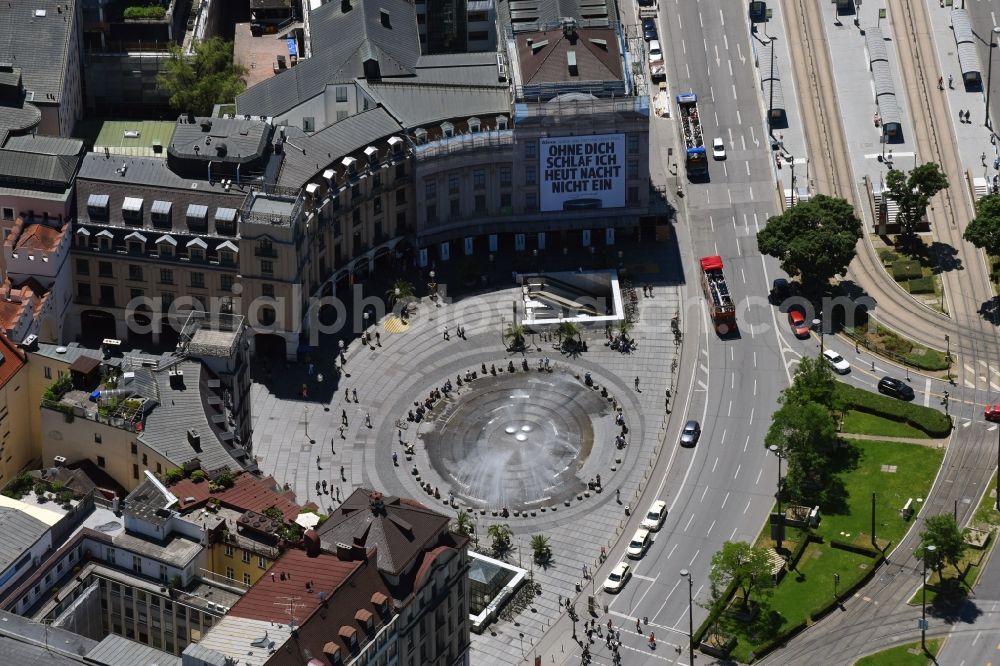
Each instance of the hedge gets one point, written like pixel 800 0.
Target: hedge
pixel 906 269
pixel 151 12
pixel 714 613
pixel 801 548
pixel 854 548
pixel 925 419
pixel 922 285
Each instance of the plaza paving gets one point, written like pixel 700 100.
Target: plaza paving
pixel 291 432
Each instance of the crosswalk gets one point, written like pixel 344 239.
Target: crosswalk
pixel 984 373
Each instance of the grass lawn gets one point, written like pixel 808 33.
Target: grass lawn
pixel 870 424
pixel 916 467
pixel 903 655
pixel 894 346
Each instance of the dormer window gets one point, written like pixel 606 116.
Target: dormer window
pixel 474 124
pixel 226 252
pixel 447 129
pixel 421 136
pixel 159 214
pixel 350 165
pixel 371 155
pixel 136 243
pixel 165 246
pixel 104 239
pixel 197 217
pixel 97 207
pixel 196 249
pixel 225 221
pixel 132 211
pixel 82 237
pixel 502 122
pixel 396 146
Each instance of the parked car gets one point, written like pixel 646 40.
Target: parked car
pixel 638 545
pixel 618 577
pixel 797 320
pixel 718 149
pixel 837 362
pixel 992 413
pixel 655 53
pixel 691 433
pixel 655 516
pixel 897 388
pixel 649 29
pixel 781 289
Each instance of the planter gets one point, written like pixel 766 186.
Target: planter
pixel 717 645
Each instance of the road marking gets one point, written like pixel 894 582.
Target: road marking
pixel 735 529
pixel 743 273
pixel 748 506
pixel 690 520
pixel 722 440
pixel 665 599
pixel 977 637
pixel 671 551
pixel 695 556
pixel 724 500
pixel 751 416
pixel 755 384
pixel 967 424
pixel 715 463
pixel 722 17
pixel 709 529
pixel 732 353
pixel 738 468
pixel 730 411
pixel 927 393
pixel 732 380
pixel 759 474
pixel 703 493
pixel 702 385
pixel 645 578
pixel 992 428
pixel 746 444
pixel 755 363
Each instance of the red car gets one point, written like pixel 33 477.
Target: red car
pixel 992 413
pixel 797 320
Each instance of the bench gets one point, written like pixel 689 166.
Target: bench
pixel 907 511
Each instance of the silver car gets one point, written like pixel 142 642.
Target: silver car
pixel 690 434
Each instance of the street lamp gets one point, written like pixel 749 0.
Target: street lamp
pixel 989 75
pixel 781 516
pixel 818 324
pixel 690 579
pixel 928 552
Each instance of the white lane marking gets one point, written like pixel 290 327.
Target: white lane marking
pixel 748 507
pixel 732 380
pixel 746 444
pixel 735 530
pixel 694 557
pixel 927 393
pixel 715 463
pixel 690 520
pixel 743 273
pixel 755 384
pixel 709 529
pixel 724 500
pixel 645 578
pixel 722 440
pixel 759 474
pixel 751 416
pixel 755 361
pixel 703 493
pixel 738 468
pixel 665 599
pixel 729 412
pixel 671 551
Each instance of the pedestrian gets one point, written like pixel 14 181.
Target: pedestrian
pixel 445 335
pixel 324 487
pixel 961 115
pixel 395 459
pixel 968 116
pixel 618 495
pixel 354 392
pixel 317 463
pixel 343 359
pixel 637 384
pixel 368 420
pixel 650 291
pixel 342 478
pixel 347 395
pixel 343 416
pixel 378 339
pixel 940 83
pixel 584 571
pixel 643 290
pixel 638 627
pixel 342 435
pixel 950 80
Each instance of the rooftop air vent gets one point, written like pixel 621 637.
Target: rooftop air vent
pixel 384 18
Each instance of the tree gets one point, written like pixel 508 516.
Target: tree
pixel 463 523
pixel 197 82
pixel 515 334
pixel 806 437
pixel 942 532
pixel 540 548
pixel 624 328
pixel 567 330
pixel 813 382
pixel 912 192
pixel 500 533
pixel 739 561
pixel 984 230
pixel 814 239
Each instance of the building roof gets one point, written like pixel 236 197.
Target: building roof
pixel 294 575
pixel 341 138
pixel 35 236
pixel 27 643
pixel 361 33
pixel 414 103
pixel 149 171
pixel 115 650
pixel 220 139
pixel 40 144
pixel 20 532
pixel 180 411
pixel 177 551
pixel 58 169
pixel 11 361
pixel 247 494
pixel 150 502
pixel 36 37
pixel 529 15
pixel 19 115
pixel 400 530
pixel 543 57
pixel 70 352
pixel 241 638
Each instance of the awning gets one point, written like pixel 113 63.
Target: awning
pixel 225 214
pixel 136 235
pixel 161 207
pixel 198 242
pixel 132 205
pixel 167 238
pixel 227 245
pixel 307 520
pixel 98 201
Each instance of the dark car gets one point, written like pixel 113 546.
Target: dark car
pixel 992 413
pixel 781 289
pixel 691 433
pixel 647 3
pixel 896 388
pixel 649 29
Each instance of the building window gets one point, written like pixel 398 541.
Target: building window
pixel 104 269
pixel 8 213
pixel 48 372
pixel 227 282
pixel 480 203
pixel 400 221
pixel 453 184
pixel 505 176
pixel 633 196
pixel 145 460
pixel 266 267
pixel 227 258
pixel 308 124
pixel 401 196
pixel 530 149
pixel 632 167
pixel 261 562
pixel 82 267
pixel 342 115
pixel 341 94
pixel 455 209
pixel 530 201
pixel 135 471
pixel 136 564
pixel 115 589
pixel 401 170
pixel 633 143
pixel 267 289
pixel 136 293
pixel 246 556
pixel 356 216
pixel 230 573
pixel 167 297
pixel 229 551
pixel 430 190
pixel 163 573
pixel 196 254
pixel 83 292
pixel 166 276
pixel 134 272
pixel 431 213
pixel 246 580
pixel 479 180
pixel 377 205
pixel 100 459
pixel 505 202
pixel 530 175
pixel 107 295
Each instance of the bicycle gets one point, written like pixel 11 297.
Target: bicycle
pixel 402 424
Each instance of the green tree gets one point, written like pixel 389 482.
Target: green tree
pixel 806 437
pixel 984 230
pixel 463 523
pixel 624 328
pixel 401 291
pixel 750 567
pixel 514 335
pixel 912 192
pixel 540 548
pixel 207 77
pixel 814 239
pixel 942 532
pixel 567 331
pixel 500 534
pixel 813 382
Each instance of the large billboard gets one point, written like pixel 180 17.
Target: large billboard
pixel 582 172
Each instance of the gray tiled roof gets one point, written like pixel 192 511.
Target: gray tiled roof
pixel 115 650
pixel 179 411
pixel 44 145
pixel 39 45
pixel 139 171
pixel 244 140
pixel 51 168
pixel 539 12
pixel 18 118
pixel 73 351
pixel 413 104
pixel 20 532
pixel 177 551
pixel 339 139
pixel 470 69
pixel 28 643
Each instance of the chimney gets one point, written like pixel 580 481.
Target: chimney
pixel 345 6
pixel 358 551
pixel 311 540
pixel 344 552
pixel 194 439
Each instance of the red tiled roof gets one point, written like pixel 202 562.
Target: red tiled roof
pixel 425 565
pixel 12 360
pixel 37 237
pixel 247 494
pixel 323 573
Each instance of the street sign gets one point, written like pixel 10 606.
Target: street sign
pixel 922 625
